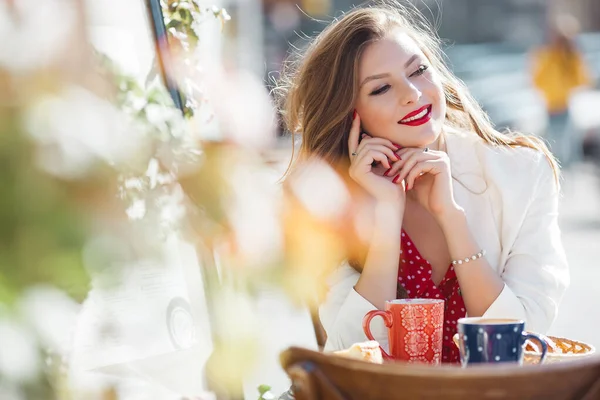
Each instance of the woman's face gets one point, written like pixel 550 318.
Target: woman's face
pixel 400 96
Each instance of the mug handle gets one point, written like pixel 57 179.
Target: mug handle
pixel 542 342
pixel 387 320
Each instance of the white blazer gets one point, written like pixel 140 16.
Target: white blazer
pixel 511 203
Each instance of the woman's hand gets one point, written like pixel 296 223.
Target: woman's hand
pixel 427 174
pixel 384 188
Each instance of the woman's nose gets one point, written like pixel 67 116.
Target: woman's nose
pixel 411 95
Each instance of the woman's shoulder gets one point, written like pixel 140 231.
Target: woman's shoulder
pixel 513 165
pixel 517 157
pixel 520 166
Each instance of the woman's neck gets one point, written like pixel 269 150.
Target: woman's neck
pixel 440 143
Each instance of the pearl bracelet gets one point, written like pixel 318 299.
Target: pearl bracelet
pixel 472 258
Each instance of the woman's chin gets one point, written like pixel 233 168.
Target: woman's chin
pixel 425 138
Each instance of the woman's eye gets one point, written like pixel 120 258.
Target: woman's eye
pixel 382 89
pixel 420 71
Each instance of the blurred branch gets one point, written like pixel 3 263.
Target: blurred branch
pixel 182 20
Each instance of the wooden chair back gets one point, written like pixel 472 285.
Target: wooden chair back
pixel 320 333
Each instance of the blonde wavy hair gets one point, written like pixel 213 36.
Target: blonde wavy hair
pixel 317 89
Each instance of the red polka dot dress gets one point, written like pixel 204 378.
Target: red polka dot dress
pixel 415 276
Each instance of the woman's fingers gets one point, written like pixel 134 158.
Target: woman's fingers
pixel 408 166
pixel 395 168
pixel 381 148
pixel 366 139
pixel 384 146
pixel 354 135
pixel 408 159
pixel 367 156
pixel 379 156
pixel 421 168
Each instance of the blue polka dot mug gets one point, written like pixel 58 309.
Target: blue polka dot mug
pixel 486 340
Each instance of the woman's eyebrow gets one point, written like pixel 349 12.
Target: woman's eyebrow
pixel 411 60
pixel 373 77
pixel 384 75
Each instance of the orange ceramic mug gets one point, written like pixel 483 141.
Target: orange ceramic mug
pixel 414 329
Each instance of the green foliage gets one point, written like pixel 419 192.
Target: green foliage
pixel 42 231
pixel 181 17
pixel 265 392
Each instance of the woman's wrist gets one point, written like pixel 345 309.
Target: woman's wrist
pixel 378 280
pixel 385 209
pixel 387 224
pixel 452 219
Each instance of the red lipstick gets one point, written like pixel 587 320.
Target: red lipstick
pixel 424 114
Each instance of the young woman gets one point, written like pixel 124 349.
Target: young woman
pixel 372 94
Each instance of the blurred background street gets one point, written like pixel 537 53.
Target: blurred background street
pixel 580 223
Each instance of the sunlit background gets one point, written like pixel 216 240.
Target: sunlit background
pixel 148 255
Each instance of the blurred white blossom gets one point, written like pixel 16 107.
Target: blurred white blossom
pixel 154 175
pixel 172 209
pixel 76 129
pixel 137 209
pixel 162 119
pixel 39 31
pixel 19 358
pixel 242 106
pixel 59 313
pixel 320 189
pixel 254 215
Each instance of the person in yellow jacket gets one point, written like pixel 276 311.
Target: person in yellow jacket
pixel 558 70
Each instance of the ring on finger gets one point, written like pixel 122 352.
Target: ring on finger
pixel 426 149
pixel 354 154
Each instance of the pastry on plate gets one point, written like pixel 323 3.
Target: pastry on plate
pixel 559 349
pixel 367 351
